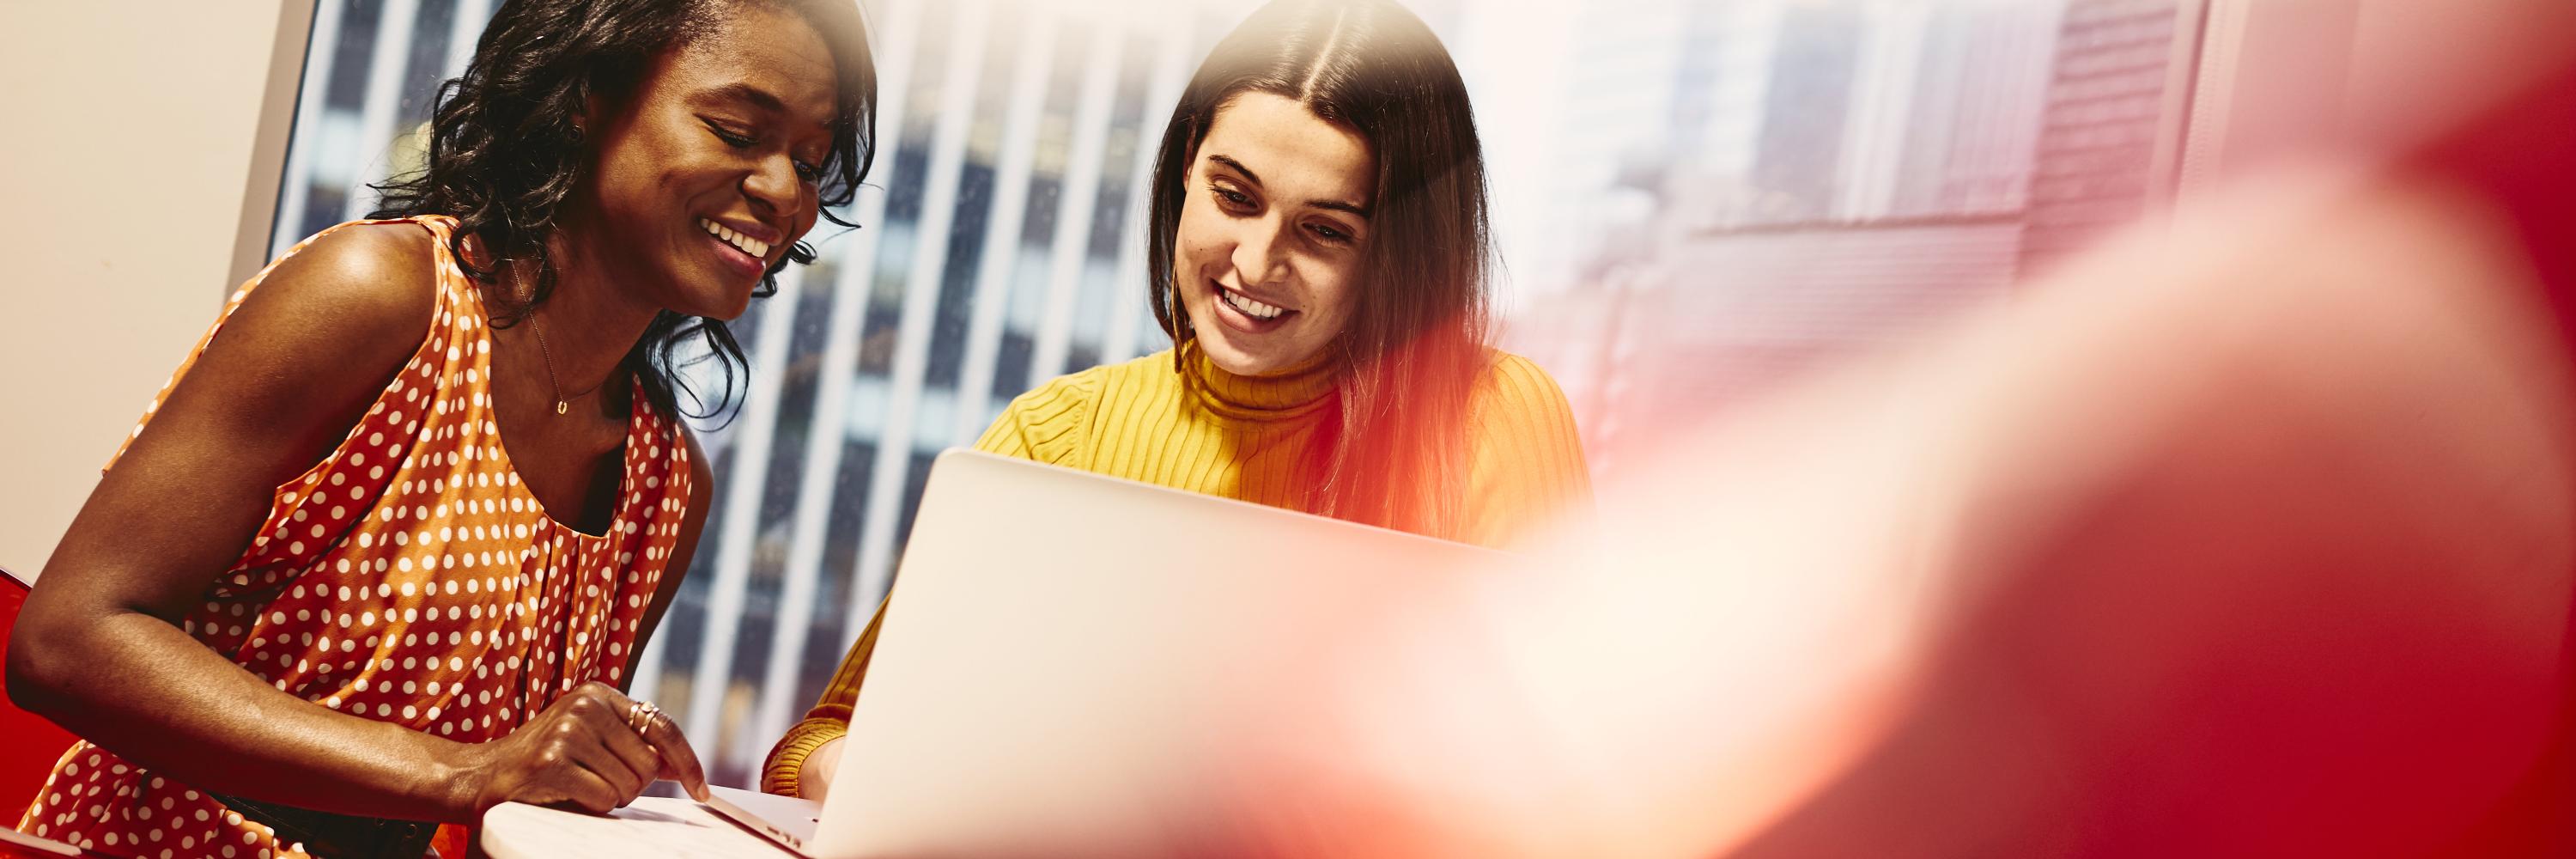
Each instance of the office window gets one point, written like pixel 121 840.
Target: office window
pixel 1693 200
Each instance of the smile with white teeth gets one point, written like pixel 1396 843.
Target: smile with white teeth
pixel 756 248
pixel 1251 308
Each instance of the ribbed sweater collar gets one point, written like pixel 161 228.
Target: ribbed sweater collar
pixel 1289 394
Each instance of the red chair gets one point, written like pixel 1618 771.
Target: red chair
pixel 28 744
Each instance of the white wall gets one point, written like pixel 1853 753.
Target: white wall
pixel 126 174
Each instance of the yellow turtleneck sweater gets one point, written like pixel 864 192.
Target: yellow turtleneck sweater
pixel 1209 431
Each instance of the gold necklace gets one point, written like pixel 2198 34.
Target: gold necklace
pixel 562 403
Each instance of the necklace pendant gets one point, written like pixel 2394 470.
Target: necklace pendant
pixel 561 407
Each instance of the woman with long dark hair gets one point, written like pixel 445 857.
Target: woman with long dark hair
pixel 385 550
pixel 1319 256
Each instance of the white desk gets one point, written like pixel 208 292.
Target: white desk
pixel 651 826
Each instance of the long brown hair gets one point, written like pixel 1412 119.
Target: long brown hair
pixel 1417 339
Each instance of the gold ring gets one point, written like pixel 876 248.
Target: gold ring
pixel 639 716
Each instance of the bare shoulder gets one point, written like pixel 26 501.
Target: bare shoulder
pixel 293 367
pixel 367 280
pixel 326 327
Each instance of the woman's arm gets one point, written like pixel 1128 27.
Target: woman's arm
pixel 98 650
pixel 802 762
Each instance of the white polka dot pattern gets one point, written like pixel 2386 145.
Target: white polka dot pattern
pixel 409 577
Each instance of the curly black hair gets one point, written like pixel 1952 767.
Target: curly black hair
pixel 506 146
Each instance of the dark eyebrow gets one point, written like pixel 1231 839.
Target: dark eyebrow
pixel 759 98
pixel 1238 167
pixel 1339 206
pixel 1255 178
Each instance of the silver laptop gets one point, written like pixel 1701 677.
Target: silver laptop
pixel 1069 660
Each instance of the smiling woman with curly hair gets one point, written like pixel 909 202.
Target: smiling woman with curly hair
pixel 386 549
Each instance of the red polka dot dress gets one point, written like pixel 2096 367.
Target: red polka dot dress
pixel 409 577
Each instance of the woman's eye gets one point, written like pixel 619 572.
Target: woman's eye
pixel 1330 234
pixel 733 138
pixel 1232 197
pixel 809 171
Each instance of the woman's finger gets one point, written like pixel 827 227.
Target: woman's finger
pixel 621 737
pixel 594 755
pixel 577 786
pixel 678 759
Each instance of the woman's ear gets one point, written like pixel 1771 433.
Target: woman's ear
pixel 594 114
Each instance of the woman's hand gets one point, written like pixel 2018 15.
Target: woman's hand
pixel 582 753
